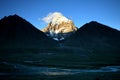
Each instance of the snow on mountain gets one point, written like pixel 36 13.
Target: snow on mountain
pixel 58 19
pixel 59 27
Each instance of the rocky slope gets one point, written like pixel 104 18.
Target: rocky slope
pixel 60 28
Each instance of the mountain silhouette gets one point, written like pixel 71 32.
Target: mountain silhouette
pixel 95 36
pixel 16 32
pixel 91 47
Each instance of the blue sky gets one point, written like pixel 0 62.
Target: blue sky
pixel 80 11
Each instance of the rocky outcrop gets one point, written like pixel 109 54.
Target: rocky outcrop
pixel 60 28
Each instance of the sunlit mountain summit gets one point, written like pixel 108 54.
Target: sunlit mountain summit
pixel 26 50
pixel 59 27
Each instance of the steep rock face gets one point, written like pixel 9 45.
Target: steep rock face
pixel 60 28
pixel 16 32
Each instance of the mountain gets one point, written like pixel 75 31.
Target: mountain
pixel 16 32
pixel 59 28
pixel 95 37
pixel 92 46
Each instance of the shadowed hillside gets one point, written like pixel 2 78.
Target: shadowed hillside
pixel 16 32
pixel 26 52
pixel 95 36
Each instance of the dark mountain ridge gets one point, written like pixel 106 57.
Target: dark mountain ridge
pixel 17 32
pixel 95 36
pixel 91 46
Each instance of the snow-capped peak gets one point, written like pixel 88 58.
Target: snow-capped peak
pixel 55 18
pixel 59 27
pixel 58 19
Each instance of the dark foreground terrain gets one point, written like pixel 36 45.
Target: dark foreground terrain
pixel 57 64
pixel 80 76
pixel 26 53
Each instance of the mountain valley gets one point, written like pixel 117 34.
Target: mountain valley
pixel 60 47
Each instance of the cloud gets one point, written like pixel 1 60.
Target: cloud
pixel 50 16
